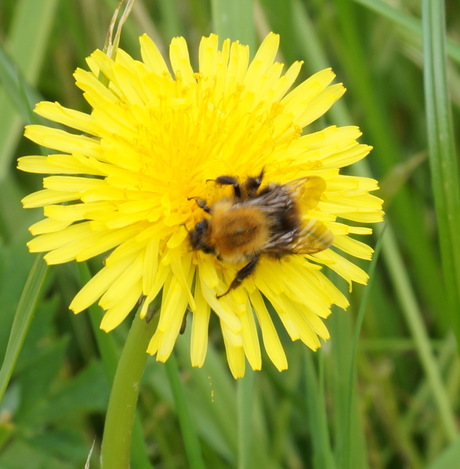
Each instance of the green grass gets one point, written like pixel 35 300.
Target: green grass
pixel 383 393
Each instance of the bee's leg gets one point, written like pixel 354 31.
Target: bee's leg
pixel 252 184
pixel 246 271
pixel 229 181
pixel 201 203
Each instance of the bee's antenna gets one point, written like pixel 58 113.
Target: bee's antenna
pixel 261 175
pixel 201 203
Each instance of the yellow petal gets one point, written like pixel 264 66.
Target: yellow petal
pixel 200 325
pixel 172 311
pixel 97 286
pixel 235 352
pixel 69 117
pixel 262 60
pixel 115 315
pixel 152 57
pixel 250 339
pixel 47 197
pixel 354 247
pixel 48 225
pixel 62 141
pixel 270 337
pixel 180 61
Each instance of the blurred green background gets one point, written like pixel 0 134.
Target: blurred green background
pixel 384 395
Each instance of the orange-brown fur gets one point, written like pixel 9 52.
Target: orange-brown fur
pixel 237 233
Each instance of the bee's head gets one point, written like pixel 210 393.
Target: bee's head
pixel 198 237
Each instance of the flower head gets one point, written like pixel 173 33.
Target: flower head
pixel 133 179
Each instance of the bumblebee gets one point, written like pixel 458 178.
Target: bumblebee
pixel 260 221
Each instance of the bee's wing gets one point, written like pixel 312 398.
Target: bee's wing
pixel 272 200
pixel 314 237
pixel 307 190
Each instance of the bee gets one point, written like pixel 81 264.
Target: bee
pixel 260 221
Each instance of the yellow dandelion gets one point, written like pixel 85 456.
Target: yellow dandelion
pixel 161 148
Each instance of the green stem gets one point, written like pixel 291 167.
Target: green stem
pixel 116 442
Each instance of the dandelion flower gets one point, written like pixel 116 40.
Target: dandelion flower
pixel 124 184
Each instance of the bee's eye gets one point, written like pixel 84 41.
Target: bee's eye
pixel 202 226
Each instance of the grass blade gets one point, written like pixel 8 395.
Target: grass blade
pixel 27 43
pixel 245 399
pixel 189 432
pixel 448 458
pixel 234 20
pixel 410 24
pixel 322 455
pixel 352 374
pixel 24 315
pixel 442 153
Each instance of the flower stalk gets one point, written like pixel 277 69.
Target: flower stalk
pixel 116 442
